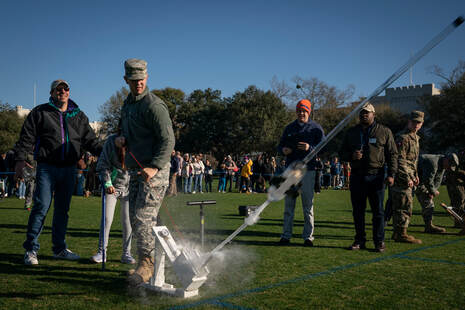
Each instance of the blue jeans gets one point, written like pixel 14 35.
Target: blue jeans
pixel 59 183
pixel 198 183
pixel 307 192
pixel 22 189
pixel 187 184
pixel 371 187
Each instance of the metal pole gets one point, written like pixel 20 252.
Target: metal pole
pixel 202 225
pixel 102 228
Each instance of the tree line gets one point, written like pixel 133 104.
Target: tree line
pixel 252 120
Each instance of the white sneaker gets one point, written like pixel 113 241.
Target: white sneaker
pixel 127 258
pixel 193 192
pixel 30 258
pixel 98 258
pixel 67 255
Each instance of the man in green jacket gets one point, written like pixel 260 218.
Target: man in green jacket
pixel 147 134
pixel 431 169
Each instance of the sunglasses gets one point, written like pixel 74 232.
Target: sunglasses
pixel 62 88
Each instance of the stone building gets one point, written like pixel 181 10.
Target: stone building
pixel 405 99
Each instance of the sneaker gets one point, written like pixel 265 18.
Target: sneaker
pixel 30 258
pixel 357 246
pixel 284 241
pixel 98 258
pixel 308 243
pixel 127 258
pixel 380 247
pixel 67 255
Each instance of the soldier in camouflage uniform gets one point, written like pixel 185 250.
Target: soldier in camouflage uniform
pixel 431 170
pixel 408 148
pixel 147 132
pixel 455 181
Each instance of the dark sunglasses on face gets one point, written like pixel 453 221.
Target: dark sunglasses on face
pixel 58 89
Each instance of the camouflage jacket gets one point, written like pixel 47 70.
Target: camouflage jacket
pixel 408 149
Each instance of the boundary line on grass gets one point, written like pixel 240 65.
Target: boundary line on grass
pixel 430 260
pixel 218 300
pixel 228 305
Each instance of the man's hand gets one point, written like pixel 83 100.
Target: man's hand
pixel 287 151
pixel 110 190
pixel 120 142
pixel 410 183
pixel 416 181
pixel 390 181
pixel 357 155
pixel 148 173
pixel 436 193
pixel 303 146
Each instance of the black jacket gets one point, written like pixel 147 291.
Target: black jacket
pixel 378 147
pixel 55 137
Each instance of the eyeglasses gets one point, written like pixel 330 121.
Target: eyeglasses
pixel 59 89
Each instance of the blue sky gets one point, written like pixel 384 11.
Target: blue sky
pixel 225 45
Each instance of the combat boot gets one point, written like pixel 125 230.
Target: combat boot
pixel 143 272
pixel 433 229
pixel 404 237
pixel 395 234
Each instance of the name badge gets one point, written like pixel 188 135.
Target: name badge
pixel 372 140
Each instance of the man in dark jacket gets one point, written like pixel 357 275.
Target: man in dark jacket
pixel 369 146
pixel 298 139
pixel 55 132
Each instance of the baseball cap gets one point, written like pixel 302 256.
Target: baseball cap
pixel 58 82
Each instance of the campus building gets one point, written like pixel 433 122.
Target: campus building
pixel 405 99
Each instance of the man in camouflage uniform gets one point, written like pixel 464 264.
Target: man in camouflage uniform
pixel 455 181
pixel 408 149
pixel 431 170
pixel 147 133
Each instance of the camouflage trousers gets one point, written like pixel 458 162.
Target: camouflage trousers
pixel 30 184
pixel 457 198
pixel 427 204
pixel 402 202
pixel 145 199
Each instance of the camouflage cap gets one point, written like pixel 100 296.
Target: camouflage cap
pixel 369 107
pixel 417 116
pixel 135 69
pixel 56 83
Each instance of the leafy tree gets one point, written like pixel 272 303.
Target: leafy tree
pixel 446 113
pixel 10 127
pixel 256 121
pixel 200 120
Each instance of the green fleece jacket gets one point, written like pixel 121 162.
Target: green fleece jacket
pixel 147 127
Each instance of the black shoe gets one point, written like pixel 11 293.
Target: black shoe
pixel 308 243
pixel 357 246
pixel 284 241
pixel 380 247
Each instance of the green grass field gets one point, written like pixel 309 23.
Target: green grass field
pixel 254 273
